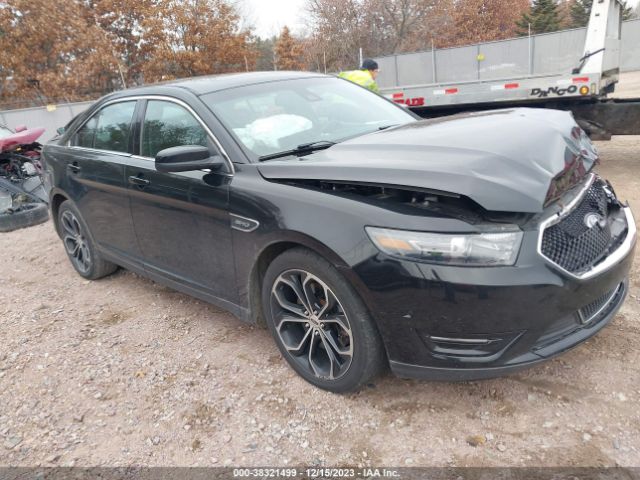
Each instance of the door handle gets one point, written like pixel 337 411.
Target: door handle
pixel 141 182
pixel 73 167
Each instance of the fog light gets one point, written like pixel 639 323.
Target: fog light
pixel 476 348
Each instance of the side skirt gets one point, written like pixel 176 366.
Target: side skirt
pixel 241 312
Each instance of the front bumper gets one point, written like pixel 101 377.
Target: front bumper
pixel 456 323
pixel 537 354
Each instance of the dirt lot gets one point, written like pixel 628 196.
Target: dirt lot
pixel 122 371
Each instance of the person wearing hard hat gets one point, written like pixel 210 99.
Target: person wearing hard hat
pixel 365 77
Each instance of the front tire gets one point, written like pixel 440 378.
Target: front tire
pixel 319 322
pixel 80 248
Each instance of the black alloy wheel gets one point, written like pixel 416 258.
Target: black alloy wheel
pixel 75 242
pixel 79 245
pixel 312 324
pixel 319 322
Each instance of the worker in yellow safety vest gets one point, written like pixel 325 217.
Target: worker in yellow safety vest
pixel 365 77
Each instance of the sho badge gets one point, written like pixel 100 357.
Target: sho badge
pixel 243 224
pixel 593 219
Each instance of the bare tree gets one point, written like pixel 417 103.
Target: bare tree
pixel 134 29
pixel 202 37
pixel 51 50
pixel 401 25
pixel 341 28
pixel 383 27
pixel 476 21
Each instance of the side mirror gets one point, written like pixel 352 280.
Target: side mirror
pixel 60 130
pixel 186 158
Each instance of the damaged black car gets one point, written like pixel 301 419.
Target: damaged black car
pixel 455 248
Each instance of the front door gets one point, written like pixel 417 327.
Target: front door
pixel 181 219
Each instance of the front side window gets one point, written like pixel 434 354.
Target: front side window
pixel 167 125
pixel 109 129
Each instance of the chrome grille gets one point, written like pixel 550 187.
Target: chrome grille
pixel 575 245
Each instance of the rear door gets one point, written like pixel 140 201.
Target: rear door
pixel 181 219
pixel 95 166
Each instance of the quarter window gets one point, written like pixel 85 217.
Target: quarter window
pixel 109 129
pixel 166 125
pixel 86 135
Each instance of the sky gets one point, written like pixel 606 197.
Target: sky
pixel 269 16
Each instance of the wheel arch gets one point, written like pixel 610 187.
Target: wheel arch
pixel 273 249
pixel 56 200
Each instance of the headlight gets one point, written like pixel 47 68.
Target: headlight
pixel 473 249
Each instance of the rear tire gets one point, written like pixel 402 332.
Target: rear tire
pixel 319 322
pixel 80 248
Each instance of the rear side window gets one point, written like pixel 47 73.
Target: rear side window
pixel 109 129
pixel 166 125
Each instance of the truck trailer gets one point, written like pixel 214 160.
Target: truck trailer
pixel 585 90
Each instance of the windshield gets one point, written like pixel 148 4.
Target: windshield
pixel 274 117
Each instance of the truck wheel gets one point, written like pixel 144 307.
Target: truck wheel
pixel 81 250
pixel 319 323
pixel 29 214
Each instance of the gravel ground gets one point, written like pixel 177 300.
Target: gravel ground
pixel 122 371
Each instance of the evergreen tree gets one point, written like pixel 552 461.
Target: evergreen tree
pixel 543 17
pixel 265 50
pixel 288 51
pixel 628 12
pixel 580 11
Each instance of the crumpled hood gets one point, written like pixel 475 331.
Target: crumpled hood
pixel 505 160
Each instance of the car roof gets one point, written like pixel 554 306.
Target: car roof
pixel 213 83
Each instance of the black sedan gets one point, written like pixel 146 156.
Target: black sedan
pixel 361 236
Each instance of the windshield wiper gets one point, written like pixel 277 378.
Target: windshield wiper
pixel 384 127
pixel 302 149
